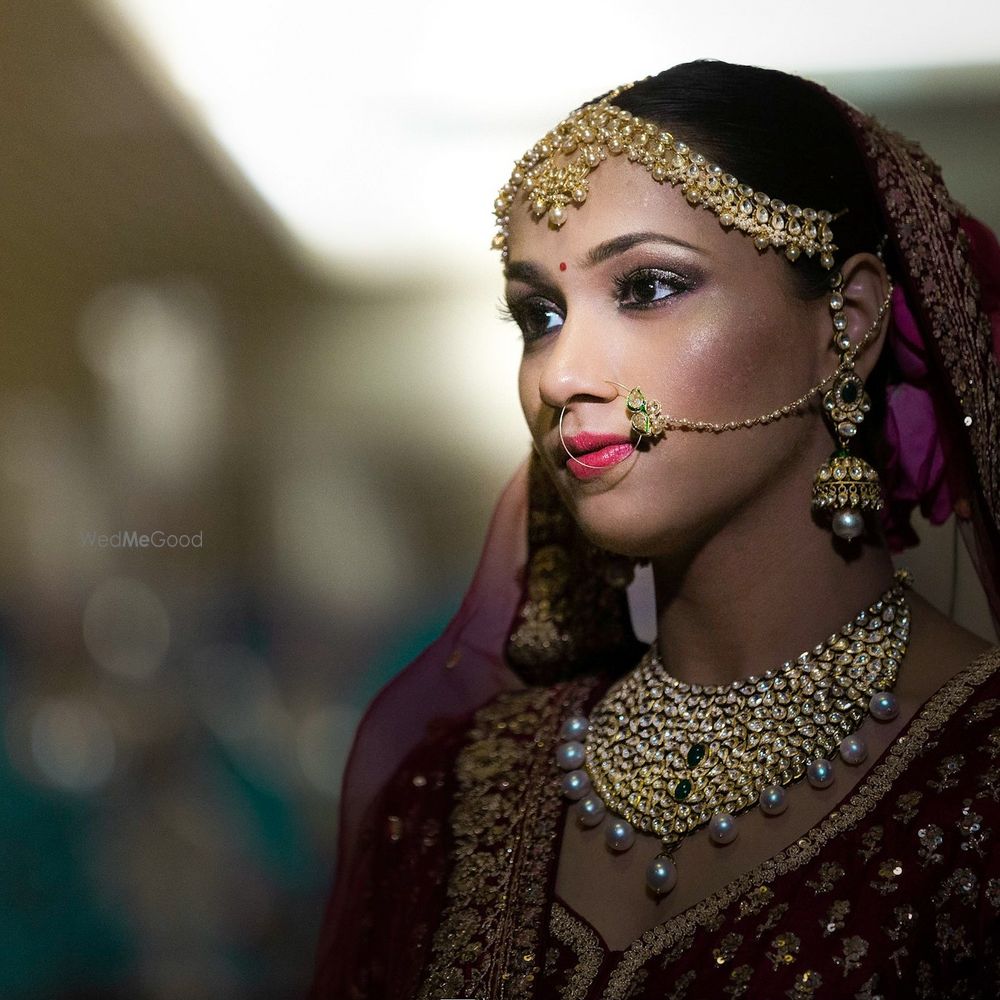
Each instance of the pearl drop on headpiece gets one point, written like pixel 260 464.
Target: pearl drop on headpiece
pixel 554 174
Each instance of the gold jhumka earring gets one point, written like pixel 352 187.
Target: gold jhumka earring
pixel 846 484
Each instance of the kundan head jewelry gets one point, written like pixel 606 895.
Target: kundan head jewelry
pixel 554 173
pixel 668 758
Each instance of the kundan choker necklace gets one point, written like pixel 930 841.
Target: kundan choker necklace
pixel 668 758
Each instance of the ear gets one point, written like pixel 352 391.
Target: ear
pixel 864 290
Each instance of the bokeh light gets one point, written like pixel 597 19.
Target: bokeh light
pixel 156 349
pixel 126 628
pixel 323 741
pixel 72 744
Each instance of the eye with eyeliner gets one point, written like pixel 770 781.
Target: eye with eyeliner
pixel 526 312
pixel 645 285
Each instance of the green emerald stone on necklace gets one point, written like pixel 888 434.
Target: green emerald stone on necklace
pixel 683 790
pixel 696 754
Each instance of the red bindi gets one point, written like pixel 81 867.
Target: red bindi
pixel 562 265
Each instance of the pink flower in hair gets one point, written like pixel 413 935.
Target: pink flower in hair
pixel 915 471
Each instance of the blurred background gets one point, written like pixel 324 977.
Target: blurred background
pixel 247 309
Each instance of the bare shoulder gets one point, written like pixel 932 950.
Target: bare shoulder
pixel 939 649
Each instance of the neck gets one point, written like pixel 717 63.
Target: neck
pixel 758 593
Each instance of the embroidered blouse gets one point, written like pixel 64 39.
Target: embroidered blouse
pixel 896 893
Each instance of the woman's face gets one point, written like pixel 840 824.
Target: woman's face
pixel 641 288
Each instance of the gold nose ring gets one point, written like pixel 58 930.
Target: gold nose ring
pixel 631 396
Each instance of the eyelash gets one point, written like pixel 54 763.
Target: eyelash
pixel 676 281
pixel 505 311
pixel 516 311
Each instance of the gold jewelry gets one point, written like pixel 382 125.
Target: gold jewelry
pixel 562 439
pixel 668 758
pixel 846 484
pixel 554 173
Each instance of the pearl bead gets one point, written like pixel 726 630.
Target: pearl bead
pixel 661 875
pixel 883 706
pixel 571 755
pixel 557 216
pixel 820 773
pixel 619 835
pixel 853 750
pixel 575 784
pixel 773 800
pixel 848 523
pixel 574 728
pixel 590 811
pixel 722 828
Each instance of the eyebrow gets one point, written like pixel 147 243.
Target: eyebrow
pixel 612 248
pixel 520 270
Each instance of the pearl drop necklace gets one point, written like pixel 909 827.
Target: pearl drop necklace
pixel 669 758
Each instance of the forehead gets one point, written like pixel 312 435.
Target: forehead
pixel 622 198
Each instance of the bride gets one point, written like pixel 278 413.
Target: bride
pixel 757 333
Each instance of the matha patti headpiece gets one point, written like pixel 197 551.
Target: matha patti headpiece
pixel 554 173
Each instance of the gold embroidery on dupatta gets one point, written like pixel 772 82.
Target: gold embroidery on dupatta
pixel 869 792
pixel 836 917
pixel 586 947
pixel 503 826
pixel 855 948
pixel 739 981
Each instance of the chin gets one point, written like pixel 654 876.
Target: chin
pixel 621 536
pixel 636 530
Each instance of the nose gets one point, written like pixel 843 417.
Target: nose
pixel 577 366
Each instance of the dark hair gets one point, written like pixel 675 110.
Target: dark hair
pixel 785 136
pixel 776 132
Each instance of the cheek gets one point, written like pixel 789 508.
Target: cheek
pixel 527 388
pixel 733 366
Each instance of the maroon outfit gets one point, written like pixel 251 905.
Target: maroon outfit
pixel 895 894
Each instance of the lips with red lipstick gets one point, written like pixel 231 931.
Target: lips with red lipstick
pixel 593 453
